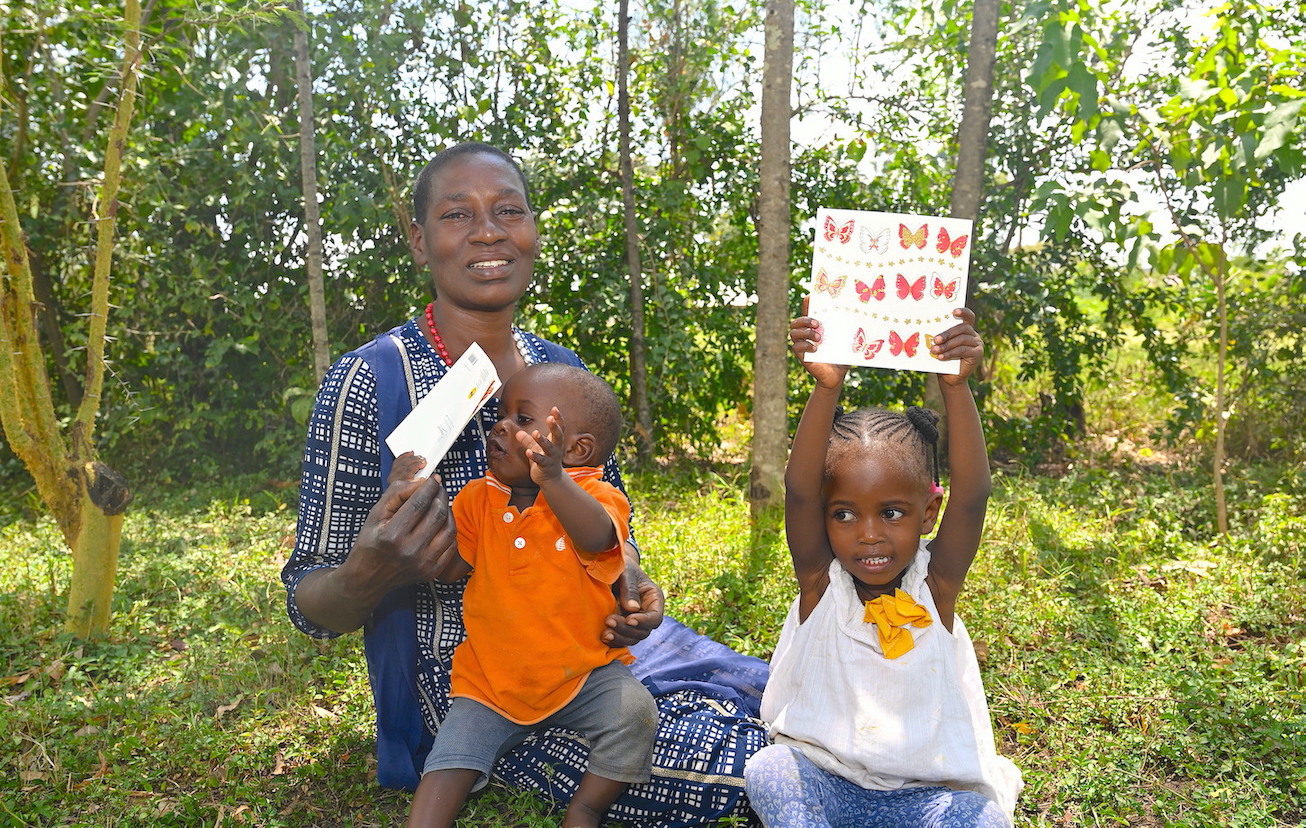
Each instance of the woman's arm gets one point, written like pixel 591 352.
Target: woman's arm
pixel 351 545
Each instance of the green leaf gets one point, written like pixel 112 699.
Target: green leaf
pixel 1278 125
pixel 1083 83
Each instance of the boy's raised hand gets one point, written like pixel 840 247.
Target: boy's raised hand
pixel 545 453
pixel 961 342
pixel 804 336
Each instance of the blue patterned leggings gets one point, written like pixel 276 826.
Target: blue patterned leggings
pixel 787 790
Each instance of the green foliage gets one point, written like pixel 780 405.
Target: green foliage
pixel 1136 673
pixel 211 365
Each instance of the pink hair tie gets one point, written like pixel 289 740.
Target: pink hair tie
pixel 936 488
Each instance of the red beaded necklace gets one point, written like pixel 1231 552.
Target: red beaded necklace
pixel 439 343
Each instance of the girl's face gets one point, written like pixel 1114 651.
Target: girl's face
pixel 875 515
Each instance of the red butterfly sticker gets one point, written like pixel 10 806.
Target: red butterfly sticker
pixel 913 238
pixel 865 292
pixel 946 290
pixel 950 245
pixel 915 290
pixel 872 242
pixel 868 350
pixel 830 286
pixel 843 233
pixel 898 345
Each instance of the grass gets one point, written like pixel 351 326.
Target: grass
pixel 1139 671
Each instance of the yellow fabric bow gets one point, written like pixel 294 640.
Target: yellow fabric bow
pixel 891 615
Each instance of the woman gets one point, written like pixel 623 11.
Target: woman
pixel 367 559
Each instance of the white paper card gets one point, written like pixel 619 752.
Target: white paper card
pixel 437 420
pixel 884 285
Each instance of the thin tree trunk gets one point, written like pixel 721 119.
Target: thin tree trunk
pixel 308 183
pixel 1220 272
pixel 972 147
pixel 634 266
pixel 976 111
pixel 770 351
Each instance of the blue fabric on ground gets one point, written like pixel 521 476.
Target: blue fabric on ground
pixel 674 657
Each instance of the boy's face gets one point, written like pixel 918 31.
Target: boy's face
pixel 524 405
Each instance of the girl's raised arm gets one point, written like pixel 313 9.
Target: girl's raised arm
pixel 954 547
pixel 805 472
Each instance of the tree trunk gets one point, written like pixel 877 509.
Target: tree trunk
pixel 85 497
pixel 972 147
pixel 308 185
pixel 634 266
pixel 977 107
pixel 1220 273
pixel 95 551
pixel 770 350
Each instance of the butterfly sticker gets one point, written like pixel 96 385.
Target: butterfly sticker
pixel 898 345
pixel 909 238
pixel 872 242
pixel 945 289
pixel 830 286
pixel 929 346
pixel 865 292
pixel 834 231
pixel 950 245
pixel 915 290
pixel 868 350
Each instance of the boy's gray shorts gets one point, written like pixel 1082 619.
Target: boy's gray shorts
pixel 613 711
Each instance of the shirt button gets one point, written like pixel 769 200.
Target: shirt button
pixel 507 517
pixel 519 543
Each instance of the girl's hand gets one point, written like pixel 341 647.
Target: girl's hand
pixel 804 336
pixel 545 453
pixel 959 342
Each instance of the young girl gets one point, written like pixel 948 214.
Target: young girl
pixel 875 701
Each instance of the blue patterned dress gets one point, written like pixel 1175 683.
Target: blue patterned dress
pixel 708 696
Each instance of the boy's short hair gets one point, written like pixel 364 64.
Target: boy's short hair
pixel 597 409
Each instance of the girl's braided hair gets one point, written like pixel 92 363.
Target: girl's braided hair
pixel 917 427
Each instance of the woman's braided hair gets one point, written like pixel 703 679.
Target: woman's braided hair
pixel 873 426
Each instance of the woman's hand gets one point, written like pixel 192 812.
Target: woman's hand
pixel 960 342
pixel 640 606
pixel 408 537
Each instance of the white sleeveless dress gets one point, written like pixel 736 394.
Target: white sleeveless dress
pixel 919 719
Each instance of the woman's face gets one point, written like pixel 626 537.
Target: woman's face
pixel 478 237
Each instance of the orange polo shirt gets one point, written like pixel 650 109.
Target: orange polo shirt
pixel 533 608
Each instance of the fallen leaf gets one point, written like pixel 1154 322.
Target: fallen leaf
pixel 19 678
pixel 224 709
pixel 323 713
